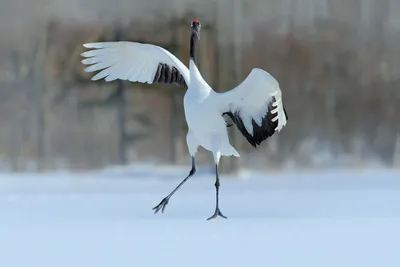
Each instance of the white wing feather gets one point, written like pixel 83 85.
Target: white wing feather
pixel 252 97
pixel 136 62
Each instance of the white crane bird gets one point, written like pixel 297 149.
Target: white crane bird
pixel 255 106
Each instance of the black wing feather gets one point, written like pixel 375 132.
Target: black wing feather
pixel 166 74
pixel 260 133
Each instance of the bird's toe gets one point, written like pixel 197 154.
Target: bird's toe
pixel 161 206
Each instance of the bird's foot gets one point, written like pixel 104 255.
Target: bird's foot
pixel 161 206
pixel 216 214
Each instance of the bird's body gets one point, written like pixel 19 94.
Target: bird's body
pixel 207 128
pixel 255 105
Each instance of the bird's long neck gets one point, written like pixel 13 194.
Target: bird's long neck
pixel 193 43
pixel 194 72
pixel 199 88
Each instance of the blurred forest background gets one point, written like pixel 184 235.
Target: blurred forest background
pixel 337 61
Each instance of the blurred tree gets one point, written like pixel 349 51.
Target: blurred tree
pixel 337 62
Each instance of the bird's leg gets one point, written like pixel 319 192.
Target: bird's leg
pixel 165 200
pixel 217 211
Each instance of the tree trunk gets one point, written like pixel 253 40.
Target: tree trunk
pixel 121 109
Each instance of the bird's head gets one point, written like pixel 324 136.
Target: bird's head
pixel 196 26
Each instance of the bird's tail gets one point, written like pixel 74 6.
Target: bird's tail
pixel 230 151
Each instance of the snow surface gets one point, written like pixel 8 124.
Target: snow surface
pixel 321 219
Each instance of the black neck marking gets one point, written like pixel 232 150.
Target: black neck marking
pixel 193 42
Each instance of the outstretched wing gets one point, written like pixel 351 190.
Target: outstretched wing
pixel 255 106
pixel 136 62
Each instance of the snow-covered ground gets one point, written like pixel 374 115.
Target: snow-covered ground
pixel 321 219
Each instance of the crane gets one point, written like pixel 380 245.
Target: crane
pixel 255 106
